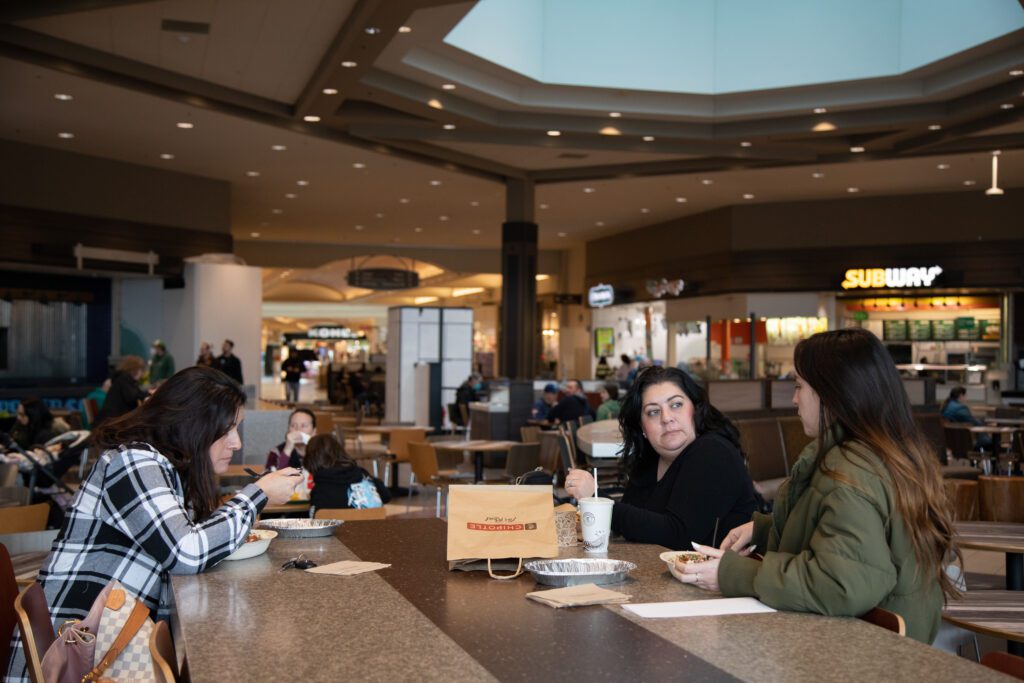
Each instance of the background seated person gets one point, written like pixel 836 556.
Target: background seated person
pixel 335 474
pixel 573 406
pixel 543 405
pixel 610 404
pixel 33 425
pixel 955 410
pixel 301 428
pixel 685 472
pixel 125 393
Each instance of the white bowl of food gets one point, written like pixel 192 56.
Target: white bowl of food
pixel 669 557
pixel 256 543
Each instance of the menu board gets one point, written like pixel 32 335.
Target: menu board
pixel 943 330
pixel 990 330
pixel 920 330
pixel 894 330
pixel 966 329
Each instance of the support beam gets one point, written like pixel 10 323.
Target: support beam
pixel 518 347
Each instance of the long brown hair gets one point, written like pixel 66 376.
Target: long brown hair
pixel 181 420
pixel 862 394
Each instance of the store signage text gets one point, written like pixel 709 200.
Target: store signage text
pixel 383 278
pixel 875 278
pixel 332 333
pixel 600 296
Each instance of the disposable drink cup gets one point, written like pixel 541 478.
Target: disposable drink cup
pixel 596 521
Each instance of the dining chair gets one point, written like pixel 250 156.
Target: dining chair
pixel 36 628
pixel 565 451
pixel 793 438
pixel 963 499
pixel 351 514
pixel 423 462
pixel 8 474
pixel 398 448
pixel 1004 662
pixel 529 434
pixel 886 619
pixel 24 518
pixel 522 458
pixel 1001 499
pixel 8 617
pixel 161 648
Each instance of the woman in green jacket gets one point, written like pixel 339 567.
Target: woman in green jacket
pixel 862 521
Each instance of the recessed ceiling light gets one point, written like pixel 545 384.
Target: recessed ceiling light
pixel 435 103
pixel 435 183
pixel 648 138
pixel 278 148
pixel 818 175
pixel 405 29
pixel 820 110
pixel 65 136
pixel 610 130
pixel 359 227
pixel 935 126
pixel 277 211
pixel 449 126
pixel 588 190
pixel 417 229
pixel 943 167
pixel 442 218
pixel 447 86
pixel 543 206
pixel 312 118
pixel 166 156
pixel 823 127
pixel 1017 72
pixel 403 200
pixel 349 64
pixel 645 210
pixel 1007 105
pixel 184 125
pixel 290 195
pixel 474 203
pixel 359 164
pixel 853 190
pixel 599 224
pixel 63 97
pixel 554 133
pixel 563 234
pixel 254 234
pixel 330 91
pixel 969 183
pixel 615 114
pixel 857 149
pixel 379 215
pixel 253 174
pixel 707 181
pixel 748 196
pixel 680 200
pixel 302 183
pixel 746 143
pixel 371 30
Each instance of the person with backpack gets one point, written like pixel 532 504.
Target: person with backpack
pixel 338 482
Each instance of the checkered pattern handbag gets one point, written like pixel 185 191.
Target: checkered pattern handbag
pixel 124 619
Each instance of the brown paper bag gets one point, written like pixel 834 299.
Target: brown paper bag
pixel 497 522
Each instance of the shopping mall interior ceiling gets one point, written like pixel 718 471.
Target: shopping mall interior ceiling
pixel 361 123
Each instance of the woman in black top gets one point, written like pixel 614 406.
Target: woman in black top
pixel 34 424
pixel 125 393
pixel 685 472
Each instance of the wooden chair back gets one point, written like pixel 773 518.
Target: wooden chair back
pixel 529 434
pixel 1001 499
pixel 930 426
pixel 165 662
pixel 522 458
pixel 8 474
pixel 568 458
pixel 36 628
pixel 963 498
pixel 398 443
pixel 1004 662
pixel 324 422
pixel 24 518
pixel 793 438
pixel 959 440
pixel 761 442
pixel 351 514
pixel 887 620
pixel 1007 412
pixel 423 461
pixel 8 617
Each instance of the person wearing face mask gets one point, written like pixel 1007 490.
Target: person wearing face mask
pixel 469 390
pixel 151 506
pixel 161 364
pixel 863 520
pixel 685 472
pixel 290 453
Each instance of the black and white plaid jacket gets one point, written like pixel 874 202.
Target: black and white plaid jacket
pixel 129 522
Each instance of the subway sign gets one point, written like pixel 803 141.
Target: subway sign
pixel 601 296
pixel 890 278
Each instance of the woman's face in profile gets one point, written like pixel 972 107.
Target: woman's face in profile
pixel 222 448
pixel 22 417
pixel 808 406
pixel 667 419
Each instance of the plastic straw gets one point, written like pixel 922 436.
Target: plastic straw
pixel 595 482
pixel 714 536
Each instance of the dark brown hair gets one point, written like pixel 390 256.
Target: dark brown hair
pixel 861 393
pixel 181 420
pixel 131 364
pixel 325 452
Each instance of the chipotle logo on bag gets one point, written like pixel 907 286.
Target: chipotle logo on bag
pixel 501 526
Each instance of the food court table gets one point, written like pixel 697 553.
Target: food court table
pixel 246 621
pixel 477 447
pixel 997 537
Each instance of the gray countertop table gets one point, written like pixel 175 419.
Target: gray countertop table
pixel 247 621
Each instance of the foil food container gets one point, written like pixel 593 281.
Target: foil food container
pixel 301 528
pixel 574 572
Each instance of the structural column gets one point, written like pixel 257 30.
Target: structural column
pixel 518 340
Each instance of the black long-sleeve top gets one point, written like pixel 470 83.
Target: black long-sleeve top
pixel 707 481
pixel 123 397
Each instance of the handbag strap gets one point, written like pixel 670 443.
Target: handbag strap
pixel 139 615
pixel 519 570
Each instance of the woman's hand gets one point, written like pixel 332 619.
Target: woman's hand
pixel 293 439
pixel 701 574
pixel 579 484
pixel 738 538
pixel 279 485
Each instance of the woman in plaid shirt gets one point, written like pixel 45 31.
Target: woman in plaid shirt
pixel 150 507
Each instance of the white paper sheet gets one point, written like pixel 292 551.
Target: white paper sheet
pixel 698 608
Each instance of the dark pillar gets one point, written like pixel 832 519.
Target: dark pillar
pixel 518 333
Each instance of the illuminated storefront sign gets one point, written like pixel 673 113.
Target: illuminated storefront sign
pixel 333 333
pixel 875 278
pixel 601 296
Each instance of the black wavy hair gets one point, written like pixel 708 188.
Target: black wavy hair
pixel 706 418
pixel 39 417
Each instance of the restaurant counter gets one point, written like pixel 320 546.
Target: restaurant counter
pixel 246 620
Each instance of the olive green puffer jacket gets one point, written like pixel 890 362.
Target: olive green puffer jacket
pixel 836 548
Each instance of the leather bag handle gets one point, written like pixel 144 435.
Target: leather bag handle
pixel 139 615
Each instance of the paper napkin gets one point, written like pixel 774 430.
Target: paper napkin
pixel 348 568
pixel 576 596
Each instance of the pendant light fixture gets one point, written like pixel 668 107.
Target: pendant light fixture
pixel 995 190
